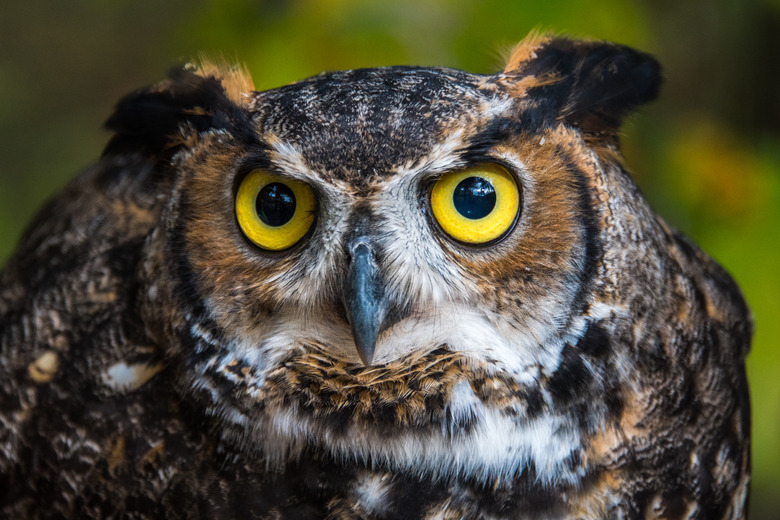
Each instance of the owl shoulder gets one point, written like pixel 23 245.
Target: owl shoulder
pixel 716 299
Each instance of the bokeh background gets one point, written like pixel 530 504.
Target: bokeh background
pixel 707 154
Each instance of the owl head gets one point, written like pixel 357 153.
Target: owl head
pixel 400 265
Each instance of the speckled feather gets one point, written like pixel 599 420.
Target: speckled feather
pixel 156 364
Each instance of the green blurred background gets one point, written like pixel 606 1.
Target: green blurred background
pixel 707 154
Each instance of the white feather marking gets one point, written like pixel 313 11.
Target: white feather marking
pixel 288 158
pixel 497 106
pixel 121 376
pixel 442 157
pixel 474 333
pixel 497 448
pixel 371 490
pixel 600 311
pixel 521 351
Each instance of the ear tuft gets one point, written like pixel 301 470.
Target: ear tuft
pixel 155 121
pixel 596 84
pixel 234 77
pixel 525 51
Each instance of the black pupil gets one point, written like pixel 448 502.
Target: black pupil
pixel 474 197
pixel 275 204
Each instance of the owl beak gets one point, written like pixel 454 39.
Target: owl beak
pixel 364 298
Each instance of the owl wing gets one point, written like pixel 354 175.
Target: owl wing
pixel 75 357
pixel 90 425
pixel 685 417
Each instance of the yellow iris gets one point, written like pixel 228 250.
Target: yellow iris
pixel 476 205
pixel 274 212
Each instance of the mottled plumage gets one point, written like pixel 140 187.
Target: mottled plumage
pixel 586 361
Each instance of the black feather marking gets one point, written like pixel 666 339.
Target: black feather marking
pixel 597 85
pixel 150 121
pixel 571 379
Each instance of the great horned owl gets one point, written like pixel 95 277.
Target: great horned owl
pixel 401 292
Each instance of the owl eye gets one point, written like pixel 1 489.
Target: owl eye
pixel 274 212
pixel 477 205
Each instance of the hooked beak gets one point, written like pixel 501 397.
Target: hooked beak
pixel 364 298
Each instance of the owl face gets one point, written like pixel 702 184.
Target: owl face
pixel 391 263
pixel 375 261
